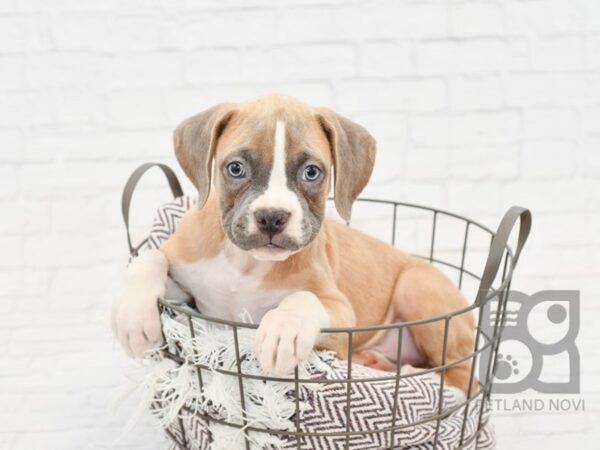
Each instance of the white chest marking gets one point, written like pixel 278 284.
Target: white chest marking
pixel 220 289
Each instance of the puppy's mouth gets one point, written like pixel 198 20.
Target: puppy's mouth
pixel 271 252
pixel 274 249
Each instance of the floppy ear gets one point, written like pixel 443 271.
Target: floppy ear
pixel 195 140
pixel 353 151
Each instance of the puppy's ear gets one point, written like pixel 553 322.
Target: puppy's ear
pixel 195 140
pixel 353 151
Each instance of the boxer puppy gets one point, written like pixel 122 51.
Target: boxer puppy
pixel 258 240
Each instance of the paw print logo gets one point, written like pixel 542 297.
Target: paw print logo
pixel 506 366
pixel 539 331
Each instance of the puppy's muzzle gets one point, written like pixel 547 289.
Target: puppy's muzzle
pixel 271 221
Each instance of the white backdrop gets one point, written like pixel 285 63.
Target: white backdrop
pixel 476 105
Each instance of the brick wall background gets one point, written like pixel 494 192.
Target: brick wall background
pixel 476 105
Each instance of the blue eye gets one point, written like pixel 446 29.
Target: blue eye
pixel 311 173
pixel 236 169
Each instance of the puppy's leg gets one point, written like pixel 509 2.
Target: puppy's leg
pixel 135 319
pixel 421 292
pixel 287 334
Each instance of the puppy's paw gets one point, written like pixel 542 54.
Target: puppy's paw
pixel 284 339
pixel 135 317
pixel 136 323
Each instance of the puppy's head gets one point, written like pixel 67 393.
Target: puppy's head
pixel 273 159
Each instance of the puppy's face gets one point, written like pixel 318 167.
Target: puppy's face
pixel 273 159
pixel 273 176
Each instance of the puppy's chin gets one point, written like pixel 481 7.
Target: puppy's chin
pixel 270 254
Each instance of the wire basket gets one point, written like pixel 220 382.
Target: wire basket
pixel 491 275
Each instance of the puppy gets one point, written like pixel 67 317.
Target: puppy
pixel 258 240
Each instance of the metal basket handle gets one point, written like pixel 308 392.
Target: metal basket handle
pixel 498 246
pixel 130 188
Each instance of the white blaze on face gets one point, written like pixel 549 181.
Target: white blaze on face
pixel 278 195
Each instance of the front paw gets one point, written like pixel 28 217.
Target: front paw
pixel 135 317
pixel 136 322
pixel 284 339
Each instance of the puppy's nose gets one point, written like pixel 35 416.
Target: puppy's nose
pixel 271 221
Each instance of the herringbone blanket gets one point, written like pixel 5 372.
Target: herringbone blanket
pixel 210 409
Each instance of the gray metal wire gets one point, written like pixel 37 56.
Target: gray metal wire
pixel 483 343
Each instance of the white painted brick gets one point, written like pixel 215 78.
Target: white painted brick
pixel 477 197
pixel 49 181
pixel 136 108
pixel 559 53
pixel 72 281
pixel 23 217
pixel 12 249
pixel 89 214
pixel 591 123
pixel 543 196
pixel 593 52
pixel 69 5
pixel 51 70
pixel 388 127
pixel 591 156
pixel 518 56
pixel 139 32
pixel 592 85
pixel 12 75
pixel 418 19
pixel 82 30
pixel 592 227
pixel 147 70
pixel 295 24
pixel 551 123
pixel 402 95
pixel 485 163
pixel 548 89
pixel 298 62
pixel 131 145
pixel 9 185
pixel 470 129
pixel 48 145
pixel 476 93
pixel 23 32
pixel 23 283
pixel 549 159
pixel 237 28
pixel 546 16
pixel 11 145
pixel 383 59
pixel 212 66
pixel 424 163
pixel 591 197
pixel 476 18
pixel 66 251
pixel 562 230
pixel 474 56
pixel 79 107
pixel 26 107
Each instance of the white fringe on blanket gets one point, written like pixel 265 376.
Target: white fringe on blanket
pixel 170 386
pixel 173 393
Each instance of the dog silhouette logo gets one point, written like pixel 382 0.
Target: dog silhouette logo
pixel 538 346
